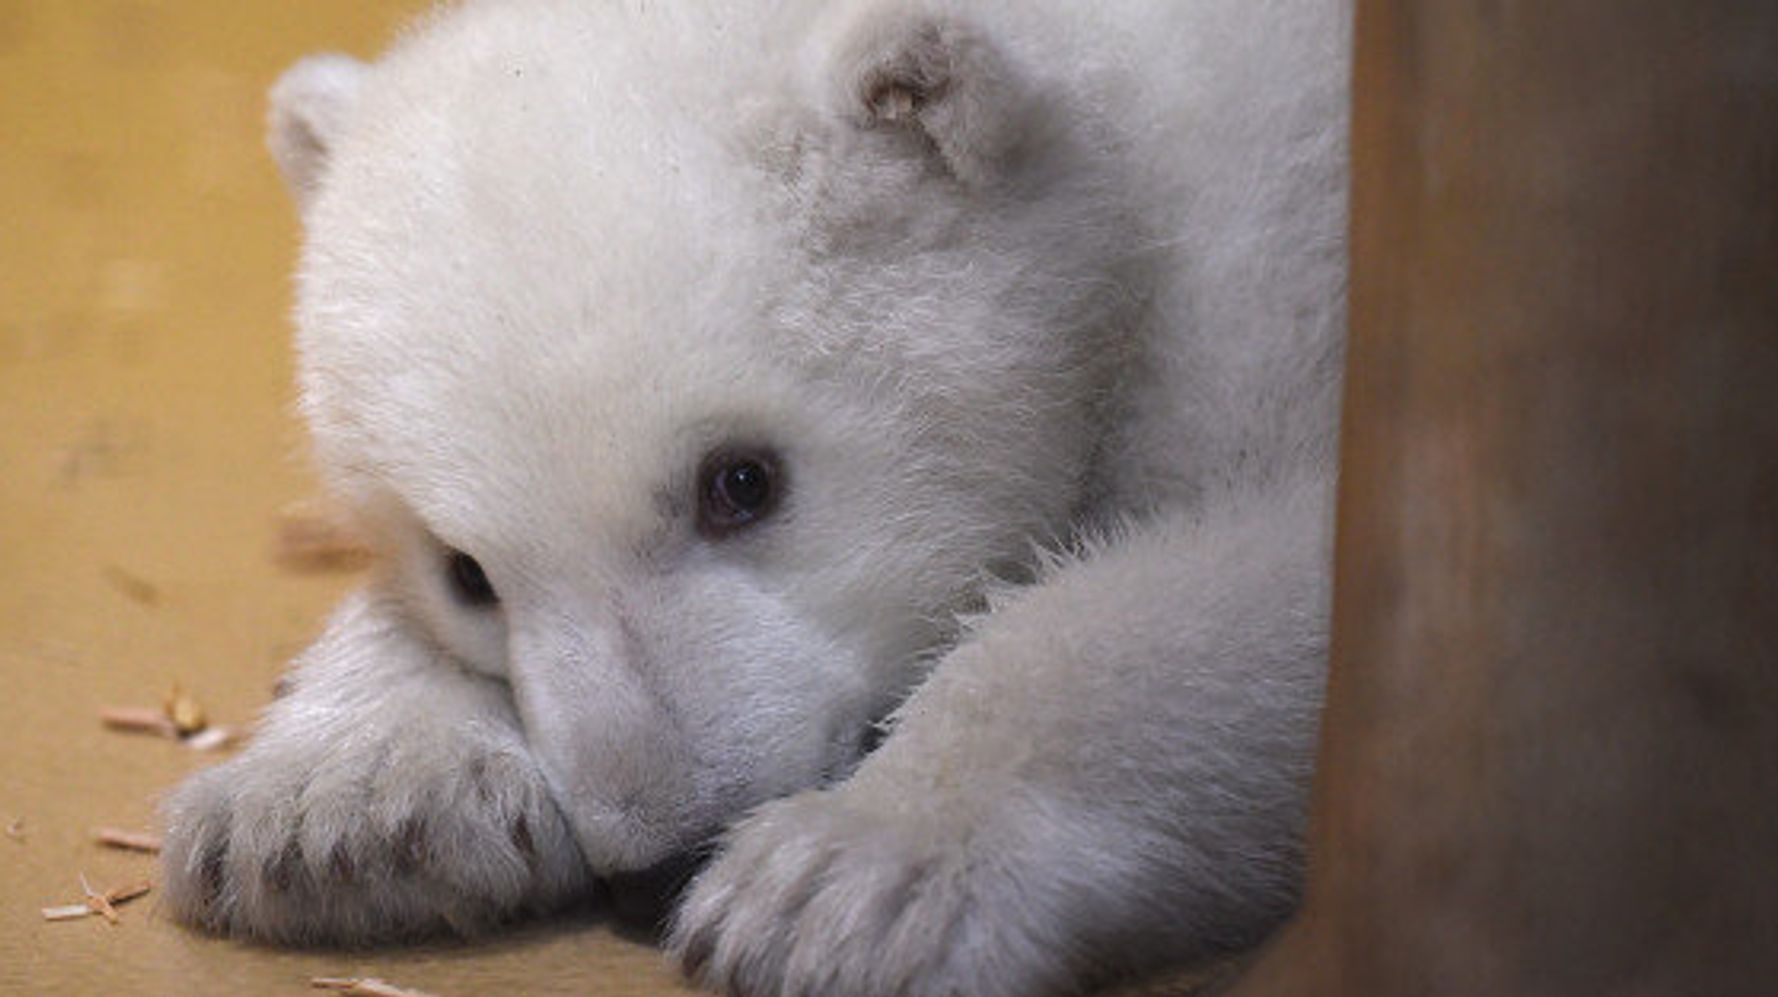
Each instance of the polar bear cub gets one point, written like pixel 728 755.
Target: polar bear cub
pixel 732 384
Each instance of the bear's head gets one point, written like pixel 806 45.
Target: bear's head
pixel 696 370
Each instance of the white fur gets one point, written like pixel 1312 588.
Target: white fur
pixel 994 279
pixel 310 102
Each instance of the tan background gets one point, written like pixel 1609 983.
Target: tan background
pixel 146 447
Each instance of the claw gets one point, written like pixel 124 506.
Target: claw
pixel 412 850
pixel 521 839
pixel 282 870
pixel 211 872
pixel 340 865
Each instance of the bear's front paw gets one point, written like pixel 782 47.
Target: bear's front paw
pixel 353 841
pixel 832 893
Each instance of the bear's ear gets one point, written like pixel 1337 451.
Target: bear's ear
pixel 310 104
pixel 899 64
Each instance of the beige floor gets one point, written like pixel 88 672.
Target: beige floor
pixel 146 447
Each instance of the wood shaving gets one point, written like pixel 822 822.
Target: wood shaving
pixel 99 902
pixel 138 719
pixel 103 904
pixel 314 536
pixel 214 738
pixel 129 841
pixel 181 718
pixel 185 713
pixel 363 987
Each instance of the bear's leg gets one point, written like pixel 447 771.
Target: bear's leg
pixel 1113 768
pixel 390 793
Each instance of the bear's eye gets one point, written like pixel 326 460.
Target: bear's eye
pixel 469 583
pixel 736 488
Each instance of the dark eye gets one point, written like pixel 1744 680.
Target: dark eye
pixel 469 583
pixel 736 489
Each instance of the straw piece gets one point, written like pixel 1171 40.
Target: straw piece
pixel 129 841
pixel 99 902
pixel 124 894
pixel 214 738
pixel 185 713
pixel 102 904
pixel 365 987
pixel 140 719
pixel 70 912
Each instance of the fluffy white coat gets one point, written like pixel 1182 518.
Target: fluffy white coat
pixel 1036 310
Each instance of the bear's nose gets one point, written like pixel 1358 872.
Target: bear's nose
pixel 610 748
pixel 642 902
